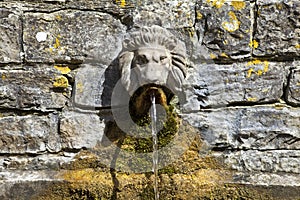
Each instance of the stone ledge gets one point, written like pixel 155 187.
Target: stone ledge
pixel 42 184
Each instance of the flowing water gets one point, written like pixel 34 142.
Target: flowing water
pixel 155 145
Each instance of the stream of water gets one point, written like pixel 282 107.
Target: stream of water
pixel 155 146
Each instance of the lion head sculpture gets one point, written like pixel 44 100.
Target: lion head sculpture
pixel 152 56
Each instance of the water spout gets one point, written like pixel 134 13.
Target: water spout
pixel 155 145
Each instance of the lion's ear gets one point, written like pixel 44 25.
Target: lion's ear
pixel 125 61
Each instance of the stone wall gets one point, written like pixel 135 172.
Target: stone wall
pixel 243 83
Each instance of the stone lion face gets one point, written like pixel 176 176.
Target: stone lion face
pixel 149 66
pixel 152 66
pixel 153 58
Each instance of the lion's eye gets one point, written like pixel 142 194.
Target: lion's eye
pixel 141 59
pixel 162 58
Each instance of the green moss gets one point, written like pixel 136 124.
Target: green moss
pixel 145 145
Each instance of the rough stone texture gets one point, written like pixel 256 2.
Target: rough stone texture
pixel 267 179
pixel 224 27
pixel 80 130
pixel 278 28
pixel 29 134
pixel 246 106
pixel 10 36
pixel 293 96
pixel 265 161
pixel 168 14
pixel 39 162
pixel 50 37
pixel 256 128
pixel 32 87
pixel 89 86
pixel 257 81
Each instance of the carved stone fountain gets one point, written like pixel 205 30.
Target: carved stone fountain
pixel 152 58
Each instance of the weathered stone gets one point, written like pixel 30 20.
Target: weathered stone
pixel 72 36
pixel 224 27
pixel 33 87
pixel 264 161
pixel 29 134
pixel 258 128
pixel 261 179
pixel 80 130
pixel 10 36
pixel 278 28
pixel 212 85
pixel 168 14
pixel 89 86
pixel 293 92
pixel 39 162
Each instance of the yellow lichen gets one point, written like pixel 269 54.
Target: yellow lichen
pixel 249 72
pixel 238 5
pixel 251 99
pixel 253 44
pixel 191 32
pixel 79 87
pixel 3 76
pixel 297 46
pixel 57 42
pixel 279 6
pixel 224 55
pixel 122 3
pixel 61 82
pixel 199 15
pixel 62 69
pixel 233 24
pixel 213 56
pixel 260 71
pixel 216 3
pixel 58 17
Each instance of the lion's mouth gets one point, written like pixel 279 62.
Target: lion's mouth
pixel 140 101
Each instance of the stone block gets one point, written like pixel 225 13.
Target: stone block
pixel 257 81
pixel 10 36
pixel 278 28
pixel 225 28
pixel 89 86
pixel 38 162
pixel 264 161
pixel 81 130
pixel 257 128
pixel 168 14
pixel 293 93
pixel 39 87
pixel 73 36
pixel 29 134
